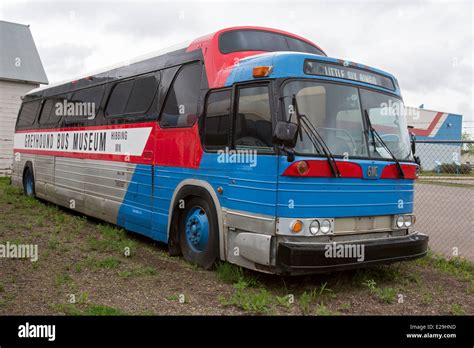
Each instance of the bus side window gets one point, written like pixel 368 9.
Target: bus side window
pixel 118 98
pixel 28 113
pixel 51 112
pixel 86 103
pixel 142 94
pixel 253 121
pixel 217 119
pixel 132 96
pixel 182 100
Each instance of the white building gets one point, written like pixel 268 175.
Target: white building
pixel 21 70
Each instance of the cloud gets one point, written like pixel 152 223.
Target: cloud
pixel 64 59
pixel 427 45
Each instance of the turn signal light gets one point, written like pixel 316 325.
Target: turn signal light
pixel 297 226
pixel 302 167
pixel 262 71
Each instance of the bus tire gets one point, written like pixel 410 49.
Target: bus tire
pixel 199 232
pixel 29 181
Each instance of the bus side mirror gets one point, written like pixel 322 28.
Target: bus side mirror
pixel 412 139
pixel 285 134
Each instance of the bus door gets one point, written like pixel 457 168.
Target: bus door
pixel 239 157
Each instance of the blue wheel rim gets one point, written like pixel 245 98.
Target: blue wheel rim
pixel 197 229
pixel 29 184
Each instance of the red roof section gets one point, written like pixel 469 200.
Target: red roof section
pixel 216 63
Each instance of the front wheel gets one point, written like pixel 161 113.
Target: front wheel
pixel 29 183
pixel 199 233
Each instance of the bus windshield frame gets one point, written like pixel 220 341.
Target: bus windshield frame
pixel 337 109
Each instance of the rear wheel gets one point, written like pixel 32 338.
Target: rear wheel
pixel 29 183
pixel 198 233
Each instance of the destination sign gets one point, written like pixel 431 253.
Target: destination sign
pixel 312 67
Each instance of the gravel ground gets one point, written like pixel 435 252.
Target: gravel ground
pixel 82 269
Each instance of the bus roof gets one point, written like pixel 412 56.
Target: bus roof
pixel 292 64
pixel 209 45
pixel 117 65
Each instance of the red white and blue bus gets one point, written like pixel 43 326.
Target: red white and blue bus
pixel 249 145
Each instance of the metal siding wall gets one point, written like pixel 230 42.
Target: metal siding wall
pixel 10 101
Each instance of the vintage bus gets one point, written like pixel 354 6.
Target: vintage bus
pixel 249 145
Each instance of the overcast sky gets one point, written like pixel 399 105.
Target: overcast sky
pixel 428 46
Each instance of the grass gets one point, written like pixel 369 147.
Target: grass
pixel 448 184
pixel 59 219
pixel 95 264
pixel 322 309
pixel 392 273
pixel 285 301
pixel 181 298
pixel 251 292
pixel 111 239
pixel 138 272
pixel 108 263
pixel 53 244
pixel 88 310
pixel 427 299
pixel 83 297
pixel 345 306
pixel 7 299
pixel 250 300
pixel 305 302
pixel 458 267
pixel 313 300
pixel 434 173
pixel 62 279
pixel 457 309
pixel 232 274
pixel 384 295
pixel 102 310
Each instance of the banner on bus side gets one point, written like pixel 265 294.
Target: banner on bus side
pixel 129 141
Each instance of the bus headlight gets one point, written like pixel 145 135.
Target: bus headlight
pixel 325 226
pixel 408 221
pixel 400 221
pixel 314 227
pixel 404 221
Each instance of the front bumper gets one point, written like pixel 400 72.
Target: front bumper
pixel 305 258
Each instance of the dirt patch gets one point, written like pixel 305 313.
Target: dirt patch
pixel 88 267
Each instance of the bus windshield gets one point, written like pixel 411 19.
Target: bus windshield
pixel 336 111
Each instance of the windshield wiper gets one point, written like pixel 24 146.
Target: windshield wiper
pixel 375 134
pixel 313 134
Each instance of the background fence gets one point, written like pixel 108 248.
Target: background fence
pixel 444 196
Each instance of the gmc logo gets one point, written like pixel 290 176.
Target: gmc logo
pixel 372 171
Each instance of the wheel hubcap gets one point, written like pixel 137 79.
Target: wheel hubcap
pixel 29 184
pixel 197 229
